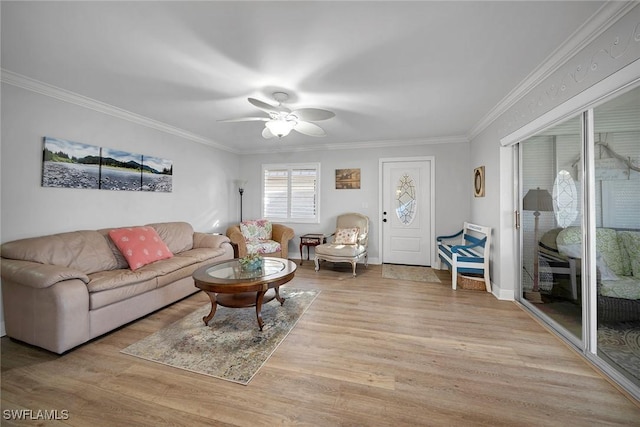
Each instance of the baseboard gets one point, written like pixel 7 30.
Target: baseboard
pixel 502 294
pixel 3 331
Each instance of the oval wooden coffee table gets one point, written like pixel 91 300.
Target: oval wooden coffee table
pixel 227 284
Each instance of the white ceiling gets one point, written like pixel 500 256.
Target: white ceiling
pixel 393 72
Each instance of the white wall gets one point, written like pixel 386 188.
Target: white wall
pixel 495 209
pixel 602 58
pixel 202 179
pixel 453 186
pixel 202 175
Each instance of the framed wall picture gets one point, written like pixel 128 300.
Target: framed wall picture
pixel 76 165
pixel 478 181
pixel 347 179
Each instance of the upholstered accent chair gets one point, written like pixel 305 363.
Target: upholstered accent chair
pixel 261 236
pixel 350 241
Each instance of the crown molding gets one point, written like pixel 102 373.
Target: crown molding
pixel 364 145
pixel 42 88
pixel 604 18
pixel 46 89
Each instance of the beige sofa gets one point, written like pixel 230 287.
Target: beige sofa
pixel 62 290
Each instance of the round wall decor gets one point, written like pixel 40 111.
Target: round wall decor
pixel 478 181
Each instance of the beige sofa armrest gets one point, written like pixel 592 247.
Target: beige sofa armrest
pixel 216 241
pixel 38 275
pixel 55 318
pixel 205 240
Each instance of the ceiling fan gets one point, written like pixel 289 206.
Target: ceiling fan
pixel 282 120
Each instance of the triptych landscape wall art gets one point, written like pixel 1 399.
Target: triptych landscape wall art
pixel 76 165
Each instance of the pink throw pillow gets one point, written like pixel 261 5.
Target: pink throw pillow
pixel 140 245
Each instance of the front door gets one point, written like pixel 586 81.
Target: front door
pixel 407 212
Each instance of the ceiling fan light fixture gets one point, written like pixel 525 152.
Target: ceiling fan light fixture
pixel 280 127
pixel 281 120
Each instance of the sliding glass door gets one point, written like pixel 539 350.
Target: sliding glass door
pixel 580 232
pixel 551 185
pixel 616 145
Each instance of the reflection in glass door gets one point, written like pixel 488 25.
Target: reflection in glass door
pixel 551 225
pixel 617 232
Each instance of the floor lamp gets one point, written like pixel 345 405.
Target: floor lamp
pixel 537 201
pixel 240 183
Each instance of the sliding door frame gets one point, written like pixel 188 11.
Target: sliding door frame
pixel 583 104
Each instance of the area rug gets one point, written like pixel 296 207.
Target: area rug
pixel 621 343
pixel 409 272
pixel 231 347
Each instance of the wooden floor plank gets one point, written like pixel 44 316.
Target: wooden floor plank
pixel 369 351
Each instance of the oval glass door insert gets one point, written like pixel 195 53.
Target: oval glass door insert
pixel 565 199
pixel 406 199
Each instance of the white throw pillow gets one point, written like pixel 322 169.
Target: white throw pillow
pixel 346 236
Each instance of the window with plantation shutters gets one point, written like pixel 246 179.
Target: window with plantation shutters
pixel 290 192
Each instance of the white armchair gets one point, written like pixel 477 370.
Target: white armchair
pixel 350 241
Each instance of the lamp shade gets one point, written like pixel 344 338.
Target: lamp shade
pixel 537 200
pixel 280 127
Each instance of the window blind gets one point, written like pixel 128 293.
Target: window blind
pixel 290 192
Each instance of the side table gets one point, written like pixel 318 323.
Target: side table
pixel 311 240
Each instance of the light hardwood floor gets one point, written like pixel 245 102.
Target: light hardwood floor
pixel 368 352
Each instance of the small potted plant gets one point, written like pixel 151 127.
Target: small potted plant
pixel 251 262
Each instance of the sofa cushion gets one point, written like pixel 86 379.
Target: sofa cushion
pixel 623 287
pixel 121 261
pixel 201 254
pixel 178 236
pixel 346 236
pixel 182 265
pixel 609 252
pixel 259 229
pixel 340 250
pixel 140 245
pixel 167 266
pixel 86 251
pixel 111 279
pixel 630 242
pixel 262 246
pixel 112 296
pixel 176 275
pixel 608 246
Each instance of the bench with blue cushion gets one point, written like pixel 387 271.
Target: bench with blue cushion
pixel 466 252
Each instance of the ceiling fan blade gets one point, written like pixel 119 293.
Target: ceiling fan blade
pixel 309 129
pixel 247 119
pixel 266 133
pixel 313 114
pixel 268 108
